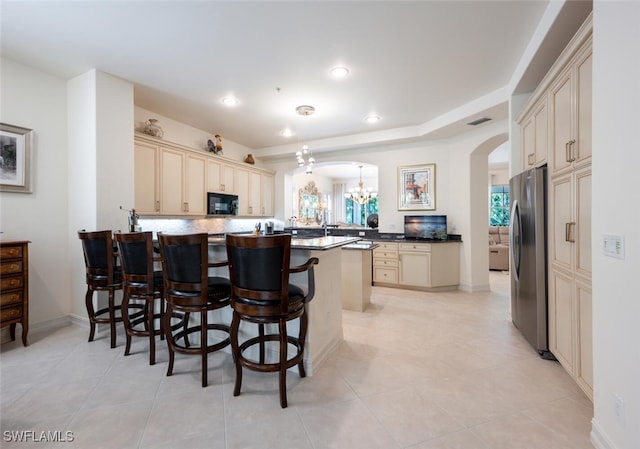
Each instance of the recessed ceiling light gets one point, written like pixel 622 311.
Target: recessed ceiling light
pixel 230 101
pixel 339 72
pixel 286 133
pixel 372 118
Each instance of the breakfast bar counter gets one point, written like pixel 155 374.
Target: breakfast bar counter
pixel 325 309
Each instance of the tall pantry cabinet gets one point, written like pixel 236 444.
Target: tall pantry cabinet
pixel 556 129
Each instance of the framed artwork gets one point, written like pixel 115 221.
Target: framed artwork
pixel 417 187
pixel 15 159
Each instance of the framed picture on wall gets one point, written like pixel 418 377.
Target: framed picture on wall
pixel 417 187
pixel 15 159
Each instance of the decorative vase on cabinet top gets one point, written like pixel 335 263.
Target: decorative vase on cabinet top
pixel 152 128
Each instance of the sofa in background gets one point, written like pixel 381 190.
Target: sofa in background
pixel 499 248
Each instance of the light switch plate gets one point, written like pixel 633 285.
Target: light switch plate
pixel 613 245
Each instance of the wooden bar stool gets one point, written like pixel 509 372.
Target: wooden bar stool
pixel 261 294
pixel 189 292
pixel 142 286
pixel 102 274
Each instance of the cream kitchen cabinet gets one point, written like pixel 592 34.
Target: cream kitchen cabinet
pixel 429 265
pixel 385 263
pixel 534 135
pixel 570 114
pixel 168 180
pixel 566 91
pixel 171 179
pixel 255 192
pixel 570 330
pixel 266 194
pixel 221 177
pixel 146 178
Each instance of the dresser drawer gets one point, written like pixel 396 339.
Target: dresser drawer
pixel 10 313
pixel 392 263
pixel 11 252
pixel 8 267
pixel 14 297
pixel 422 247
pixel 7 283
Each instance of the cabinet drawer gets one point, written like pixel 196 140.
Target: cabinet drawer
pixel 389 275
pixel 7 283
pixel 422 247
pixel 7 267
pixel 387 246
pixel 385 254
pixel 377 262
pixel 14 297
pixel 10 313
pixel 11 252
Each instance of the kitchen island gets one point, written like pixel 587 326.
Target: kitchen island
pixel 325 309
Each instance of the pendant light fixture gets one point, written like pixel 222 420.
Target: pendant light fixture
pixel 360 195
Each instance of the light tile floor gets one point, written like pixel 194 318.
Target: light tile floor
pixel 416 370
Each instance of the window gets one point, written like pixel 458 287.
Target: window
pixel 357 214
pixel 499 206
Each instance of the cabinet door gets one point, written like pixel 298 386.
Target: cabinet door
pixel 228 178
pixel 528 143
pixel 583 100
pixel 414 269
pixel 172 167
pixel 267 194
pixel 541 132
pixel 585 337
pixel 561 124
pixel 195 193
pixel 146 179
pixel 255 186
pixel 562 223
pixel 582 182
pixel 242 190
pixel 214 176
pixel 561 318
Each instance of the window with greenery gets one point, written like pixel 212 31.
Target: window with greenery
pixel 499 206
pixel 357 214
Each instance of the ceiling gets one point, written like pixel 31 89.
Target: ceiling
pixel 409 62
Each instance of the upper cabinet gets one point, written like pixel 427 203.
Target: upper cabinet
pixel 221 177
pixel 255 192
pixel 535 136
pixel 172 180
pixel 570 100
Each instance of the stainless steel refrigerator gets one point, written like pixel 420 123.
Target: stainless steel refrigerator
pixel 528 246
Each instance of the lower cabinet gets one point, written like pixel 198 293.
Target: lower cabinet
pixel 426 266
pixel 385 264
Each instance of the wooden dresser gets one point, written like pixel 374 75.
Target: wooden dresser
pixel 14 287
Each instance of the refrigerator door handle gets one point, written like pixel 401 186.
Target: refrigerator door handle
pixel 515 237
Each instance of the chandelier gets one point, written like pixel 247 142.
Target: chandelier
pixel 305 158
pixel 360 195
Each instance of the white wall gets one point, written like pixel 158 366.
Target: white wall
pixel 36 100
pixel 616 160
pixel 189 136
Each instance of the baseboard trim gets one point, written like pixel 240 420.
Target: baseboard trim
pixel 599 438
pixel 43 326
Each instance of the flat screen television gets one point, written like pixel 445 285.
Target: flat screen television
pixel 425 227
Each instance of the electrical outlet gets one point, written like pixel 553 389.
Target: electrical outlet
pixel 619 410
pixel 294 232
pixel 361 233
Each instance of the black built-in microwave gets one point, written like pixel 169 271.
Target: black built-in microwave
pixel 222 204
